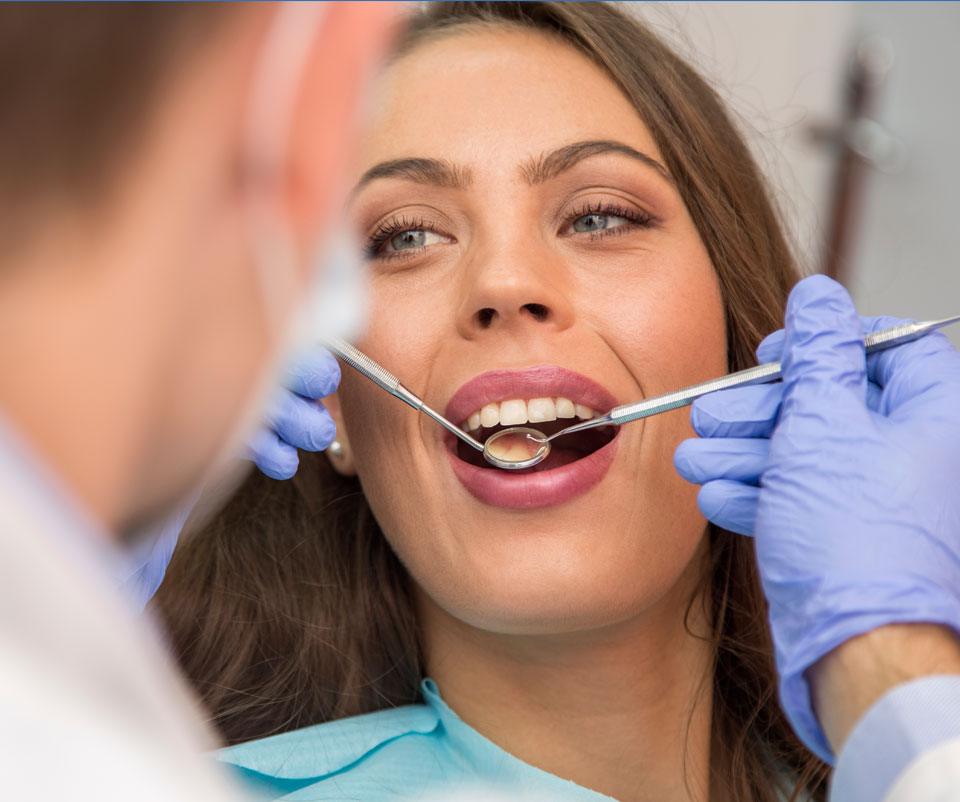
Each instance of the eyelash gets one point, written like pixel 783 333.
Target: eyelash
pixel 390 228
pixel 638 218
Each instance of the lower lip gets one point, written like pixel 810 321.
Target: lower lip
pixel 530 491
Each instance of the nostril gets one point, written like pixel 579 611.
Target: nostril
pixel 485 316
pixel 539 311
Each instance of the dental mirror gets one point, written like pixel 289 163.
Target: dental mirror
pixel 521 447
pixel 516 448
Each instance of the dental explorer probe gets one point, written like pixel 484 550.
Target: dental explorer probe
pixel 760 374
pixel 382 377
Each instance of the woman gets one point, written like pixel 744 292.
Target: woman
pixel 561 217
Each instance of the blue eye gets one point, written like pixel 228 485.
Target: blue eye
pixel 406 240
pixel 402 237
pixel 598 222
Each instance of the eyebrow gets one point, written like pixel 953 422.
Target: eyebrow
pixel 438 172
pixel 548 166
pixel 442 173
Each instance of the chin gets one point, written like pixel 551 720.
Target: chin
pixel 546 596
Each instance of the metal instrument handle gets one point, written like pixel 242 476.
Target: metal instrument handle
pixel 383 378
pixel 759 374
pixel 362 363
pixel 768 372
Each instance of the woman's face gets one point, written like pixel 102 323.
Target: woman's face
pixel 527 246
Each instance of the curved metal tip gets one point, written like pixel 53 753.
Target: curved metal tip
pixel 516 448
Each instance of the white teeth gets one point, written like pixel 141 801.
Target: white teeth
pixel 517 411
pixel 584 412
pixel 490 415
pixel 566 408
pixel 539 410
pixel 513 412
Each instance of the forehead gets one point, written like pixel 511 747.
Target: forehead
pixel 492 98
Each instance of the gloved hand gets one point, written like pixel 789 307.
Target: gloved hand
pixel 295 419
pixel 735 427
pixel 857 510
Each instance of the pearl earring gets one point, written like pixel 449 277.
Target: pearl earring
pixel 336 449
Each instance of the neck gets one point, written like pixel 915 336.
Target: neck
pixel 71 382
pixel 623 710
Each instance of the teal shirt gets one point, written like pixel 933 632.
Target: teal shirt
pixel 413 752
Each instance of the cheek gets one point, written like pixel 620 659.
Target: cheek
pixel 666 319
pixel 406 326
pixel 668 327
pixel 385 434
pixel 376 425
pixel 410 318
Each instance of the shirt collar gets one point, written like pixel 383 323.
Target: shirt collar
pixel 497 766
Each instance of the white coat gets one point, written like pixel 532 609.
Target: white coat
pixel 91 705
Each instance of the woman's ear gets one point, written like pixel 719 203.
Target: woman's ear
pixel 339 452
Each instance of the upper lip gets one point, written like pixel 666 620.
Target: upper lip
pixel 540 381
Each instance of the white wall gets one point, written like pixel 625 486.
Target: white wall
pixel 907 260
pixel 777 64
pixel 782 67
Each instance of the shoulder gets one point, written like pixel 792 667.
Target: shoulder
pixel 383 755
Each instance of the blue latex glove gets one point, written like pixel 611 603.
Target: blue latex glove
pixel 857 513
pixel 734 427
pixel 295 419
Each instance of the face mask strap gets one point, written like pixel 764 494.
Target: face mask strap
pixel 277 83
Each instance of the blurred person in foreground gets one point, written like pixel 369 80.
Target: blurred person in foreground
pixel 163 173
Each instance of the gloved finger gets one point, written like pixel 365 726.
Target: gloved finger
pixel 771 347
pixel 736 458
pixel 730 505
pixel 272 455
pixel 823 346
pixel 302 422
pixel 313 373
pixel 908 370
pixel 739 412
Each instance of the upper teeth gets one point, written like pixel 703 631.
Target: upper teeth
pixel 535 410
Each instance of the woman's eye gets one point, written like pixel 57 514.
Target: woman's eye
pixel 413 238
pixel 598 222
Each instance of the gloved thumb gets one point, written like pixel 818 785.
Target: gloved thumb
pixel 823 344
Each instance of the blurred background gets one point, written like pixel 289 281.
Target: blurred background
pixel 852 110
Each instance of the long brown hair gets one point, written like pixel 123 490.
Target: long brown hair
pixel 290 609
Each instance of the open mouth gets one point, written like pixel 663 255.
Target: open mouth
pixel 547 415
pixel 546 398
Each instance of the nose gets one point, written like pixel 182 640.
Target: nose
pixel 515 291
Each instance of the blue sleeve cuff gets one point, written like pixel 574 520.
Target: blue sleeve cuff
pixel 908 721
pixel 148 559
